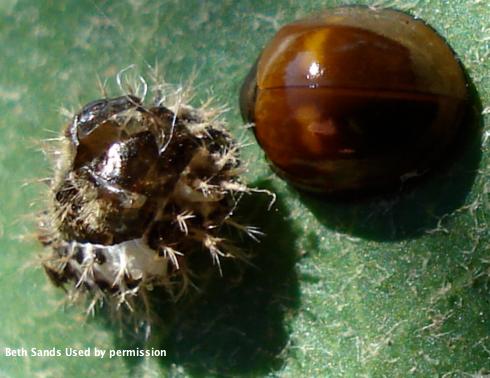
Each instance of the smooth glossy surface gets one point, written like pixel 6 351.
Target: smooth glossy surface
pixel 355 98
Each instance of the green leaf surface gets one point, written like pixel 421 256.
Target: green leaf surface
pixel 389 286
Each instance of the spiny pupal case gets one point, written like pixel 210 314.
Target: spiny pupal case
pixel 140 192
pixel 355 98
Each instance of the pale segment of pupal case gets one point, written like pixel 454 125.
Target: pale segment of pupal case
pixel 142 195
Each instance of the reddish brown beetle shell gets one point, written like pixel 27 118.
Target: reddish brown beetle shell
pixel 354 99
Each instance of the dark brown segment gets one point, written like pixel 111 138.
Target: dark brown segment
pixel 57 278
pixel 96 143
pixel 127 163
pixel 339 57
pixel 248 95
pixel 95 113
pixel 358 47
pixel 344 139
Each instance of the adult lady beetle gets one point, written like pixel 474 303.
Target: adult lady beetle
pixel 355 98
